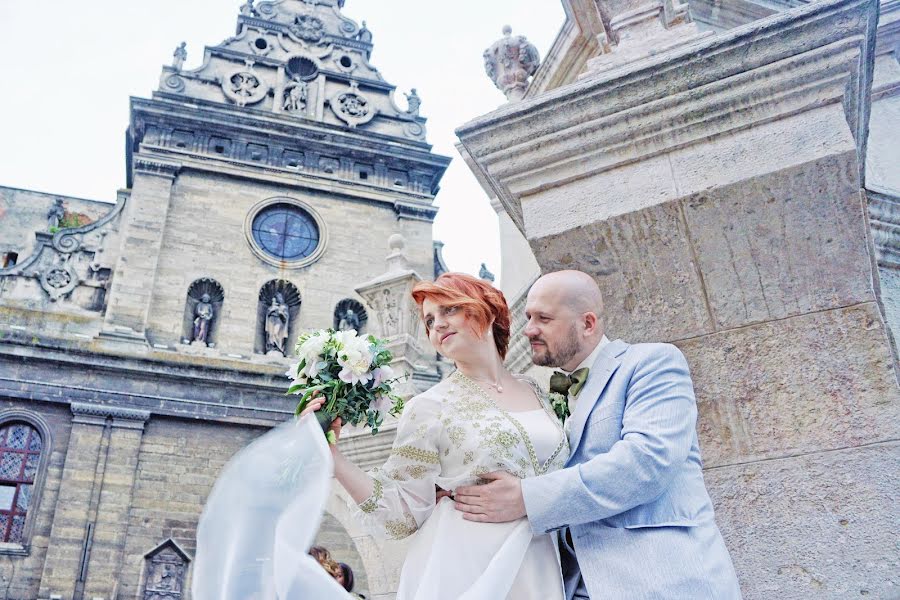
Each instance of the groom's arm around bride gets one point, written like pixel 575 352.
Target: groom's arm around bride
pixel 631 500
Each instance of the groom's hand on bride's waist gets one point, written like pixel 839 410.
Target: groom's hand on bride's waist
pixel 497 501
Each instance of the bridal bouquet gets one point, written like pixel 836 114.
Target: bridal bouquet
pixel 351 371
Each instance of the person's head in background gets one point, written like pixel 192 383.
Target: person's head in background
pixel 346 577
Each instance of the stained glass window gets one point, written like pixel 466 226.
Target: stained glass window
pixel 20 453
pixel 286 232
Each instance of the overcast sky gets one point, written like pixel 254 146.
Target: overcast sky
pixel 70 65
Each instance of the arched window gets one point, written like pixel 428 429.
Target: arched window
pixel 20 459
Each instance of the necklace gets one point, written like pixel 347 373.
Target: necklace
pixel 497 386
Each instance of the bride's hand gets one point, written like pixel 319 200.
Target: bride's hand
pixel 317 401
pixel 314 405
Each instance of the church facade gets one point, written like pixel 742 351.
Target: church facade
pixel 143 343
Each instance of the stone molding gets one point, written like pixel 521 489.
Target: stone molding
pixel 97 414
pixel 518 357
pixel 787 64
pixel 292 152
pixel 149 166
pixel 415 212
pixel 884 217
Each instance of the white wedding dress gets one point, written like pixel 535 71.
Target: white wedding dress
pixel 448 436
pixel 267 505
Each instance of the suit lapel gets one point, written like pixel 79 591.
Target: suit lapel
pixel 606 364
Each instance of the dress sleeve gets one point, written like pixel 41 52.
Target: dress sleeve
pixel 403 495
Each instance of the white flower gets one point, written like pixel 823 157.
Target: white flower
pixel 382 374
pixel 311 351
pixel 382 404
pixel 355 357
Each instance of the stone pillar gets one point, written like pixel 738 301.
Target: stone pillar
pixel 144 225
pixel 715 194
pixel 389 301
pixel 87 540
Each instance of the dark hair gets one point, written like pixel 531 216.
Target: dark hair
pixel 348 576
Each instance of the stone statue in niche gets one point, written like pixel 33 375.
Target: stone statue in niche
pixel 277 319
pixel 295 97
pixel 180 55
pixel 350 320
pixel 413 103
pixel 203 316
pixel 56 214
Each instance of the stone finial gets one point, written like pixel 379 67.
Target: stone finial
pixel 396 260
pixel 509 62
pixel 180 55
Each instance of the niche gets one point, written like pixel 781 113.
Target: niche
pixel 276 316
pixel 202 312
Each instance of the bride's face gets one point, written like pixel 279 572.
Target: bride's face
pixel 449 330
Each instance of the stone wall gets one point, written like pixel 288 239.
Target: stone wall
pixel 205 220
pixel 23 212
pixel 715 193
pixel 20 577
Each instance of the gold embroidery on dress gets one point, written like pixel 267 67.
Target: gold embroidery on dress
pixel 401 529
pixel 418 454
pixel 371 503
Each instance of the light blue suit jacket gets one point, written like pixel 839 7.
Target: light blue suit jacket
pixel 632 493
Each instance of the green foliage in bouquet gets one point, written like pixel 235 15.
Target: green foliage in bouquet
pixel 351 371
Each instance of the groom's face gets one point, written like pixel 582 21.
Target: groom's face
pixel 552 330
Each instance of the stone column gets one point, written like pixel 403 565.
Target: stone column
pixel 87 540
pixel 142 235
pixel 715 194
pixel 389 301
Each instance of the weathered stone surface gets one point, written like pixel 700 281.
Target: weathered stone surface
pixel 644 264
pixel 789 243
pixel 815 526
pixel 816 382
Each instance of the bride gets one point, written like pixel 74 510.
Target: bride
pixel 480 419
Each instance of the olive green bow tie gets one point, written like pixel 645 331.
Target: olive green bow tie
pixel 568 385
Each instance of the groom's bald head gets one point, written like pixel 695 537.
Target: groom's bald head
pixel 565 318
pixel 575 289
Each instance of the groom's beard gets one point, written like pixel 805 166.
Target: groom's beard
pixel 557 356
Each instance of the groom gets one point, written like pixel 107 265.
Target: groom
pixel 634 517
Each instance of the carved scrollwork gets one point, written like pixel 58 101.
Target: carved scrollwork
pixel 59 280
pixel 308 28
pixel 352 106
pixel 174 83
pixel 243 86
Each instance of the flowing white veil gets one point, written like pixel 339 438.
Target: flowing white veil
pixel 261 517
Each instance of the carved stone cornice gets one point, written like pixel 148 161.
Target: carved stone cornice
pixel 152 166
pixel 97 414
pixel 793 62
pixel 415 212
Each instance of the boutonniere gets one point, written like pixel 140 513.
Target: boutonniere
pixel 560 406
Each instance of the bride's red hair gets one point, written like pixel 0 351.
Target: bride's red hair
pixel 481 302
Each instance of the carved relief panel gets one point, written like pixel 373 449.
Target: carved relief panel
pixel 164 572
